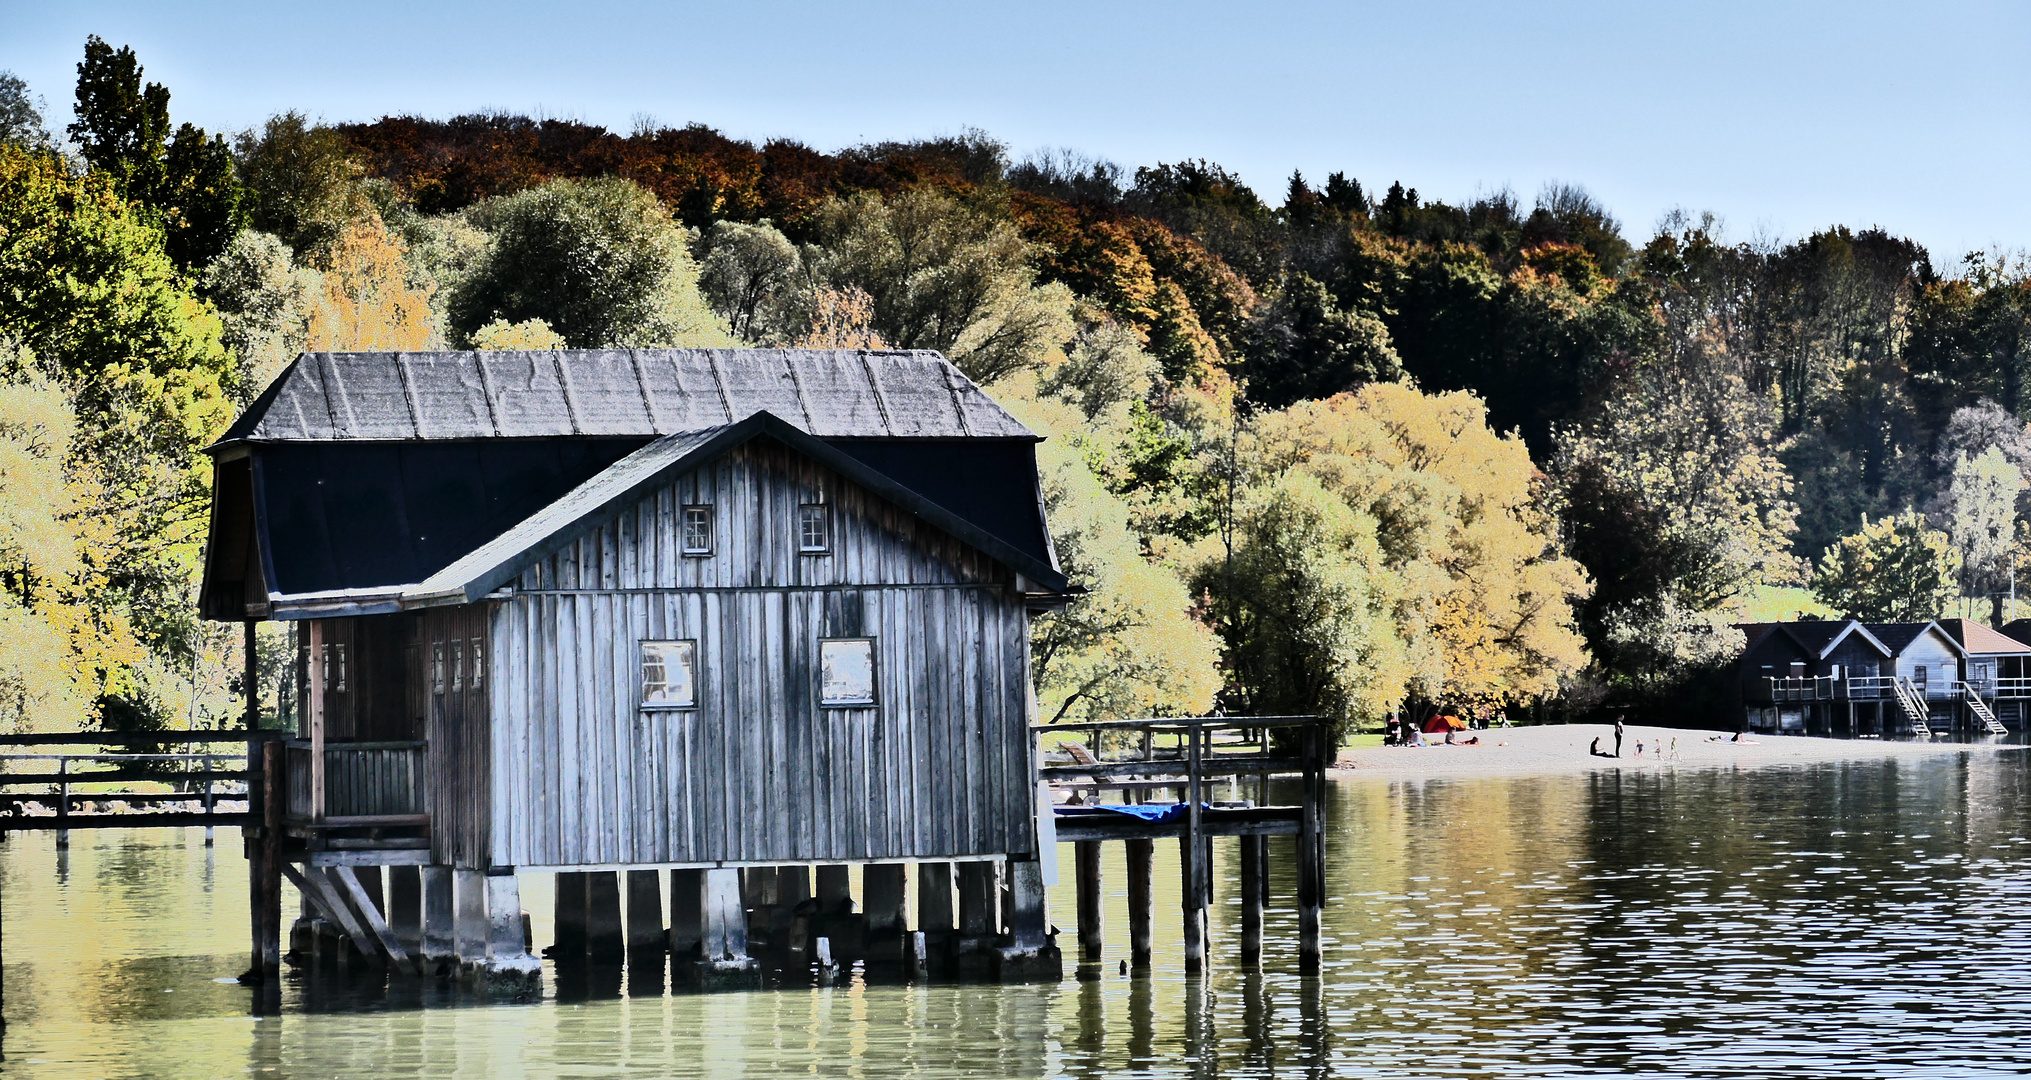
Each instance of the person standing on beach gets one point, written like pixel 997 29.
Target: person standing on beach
pixel 1618 736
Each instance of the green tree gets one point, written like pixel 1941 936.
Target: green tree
pixel 91 292
pixel 303 184
pixel 1130 645
pixel 1981 517
pixel 186 181
pixel 1896 569
pixel 941 275
pixel 1304 608
pixel 21 114
pixel 265 304
pixel 1308 347
pixel 747 274
pixel 1694 454
pixel 600 261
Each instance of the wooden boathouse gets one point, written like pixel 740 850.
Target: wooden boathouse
pixel 1841 676
pixel 624 610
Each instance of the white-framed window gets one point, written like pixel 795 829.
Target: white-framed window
pixel 478 665
pixel 669 674
pixel 846 671
pixel 457 665
pixel 814 528
pixel 437 667
pixel 698 530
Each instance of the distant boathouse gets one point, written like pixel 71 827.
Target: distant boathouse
pixel 1845 677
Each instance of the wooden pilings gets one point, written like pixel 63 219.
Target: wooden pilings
pixel 1141 855
pixel 645 914
pixel 605 936
pixel 440 914
pixel 885 898
pixel 934 898
pixel 687 912
pixel 1254 892
pixel 1086 861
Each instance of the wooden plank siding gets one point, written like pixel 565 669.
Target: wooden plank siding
pixel 459 730
pixel 759 771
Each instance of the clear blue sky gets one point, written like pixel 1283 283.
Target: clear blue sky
pixel 1780 117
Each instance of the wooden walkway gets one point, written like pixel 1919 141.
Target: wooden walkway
pixel 1186 760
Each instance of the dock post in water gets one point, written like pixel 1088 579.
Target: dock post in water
pixel 645 914
pixel 977 896
pixel 1253 889
pixel 884 889
pixel 1311 854
pixel 469 921
pixel 725 929
pixel 570 914
pixel 605 937
pixel 440 914
pixel 507 959
pixel 934 898
pixel 1193 874
pixel 1141 856
pixel 1086 855
pixel 405 903
pixel 835 889
pixel 687 912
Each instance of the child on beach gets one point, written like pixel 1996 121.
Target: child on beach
pixel 1639 749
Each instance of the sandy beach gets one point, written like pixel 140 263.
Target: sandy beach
pixel 1564 749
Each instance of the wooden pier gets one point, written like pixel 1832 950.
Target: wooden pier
pixel 1188 759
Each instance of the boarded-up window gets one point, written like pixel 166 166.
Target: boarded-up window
pixel 698 530
pixel 457 666
pixel 814 527
pixel 847 666
pixel 478 664
pixel 669 675
pixel 437 667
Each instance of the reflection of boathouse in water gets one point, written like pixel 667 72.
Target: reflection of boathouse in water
pixel 684 609
pixel 1844 677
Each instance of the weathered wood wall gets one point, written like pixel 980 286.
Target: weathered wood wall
pixel 458 730
pixel 375 701
pixel 759 771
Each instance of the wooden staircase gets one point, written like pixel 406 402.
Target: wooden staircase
pixel 1987 716
pixel 1914 707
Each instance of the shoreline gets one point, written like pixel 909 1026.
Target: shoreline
pixel 1562 750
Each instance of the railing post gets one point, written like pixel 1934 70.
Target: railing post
pixel 314 675
pixel 208 799
pixel 63 799
pixel 1311 865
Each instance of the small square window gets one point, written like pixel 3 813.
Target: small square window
pixel 698 530
pixel 477 666
pixel 847 671
pixel 457 666
pixel 668 680
pixel 437 667
pixel 814 527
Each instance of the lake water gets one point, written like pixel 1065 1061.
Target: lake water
pixel 1870 919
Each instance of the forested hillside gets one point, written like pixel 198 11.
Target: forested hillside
pixel 1344 449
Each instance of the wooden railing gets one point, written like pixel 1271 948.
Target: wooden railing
pixel 79 780
pixel 365 783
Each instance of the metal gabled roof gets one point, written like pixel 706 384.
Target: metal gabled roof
pixel 1897 637
pixel 416 396
pixel 1979 640
pixel 497 561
